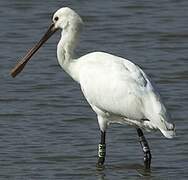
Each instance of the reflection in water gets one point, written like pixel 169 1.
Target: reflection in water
pixel 139 169
pixel 100 175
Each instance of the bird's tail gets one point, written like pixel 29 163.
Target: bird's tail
pixel 156 112
pixel 168 130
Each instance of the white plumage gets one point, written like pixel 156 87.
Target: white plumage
pixel 117 90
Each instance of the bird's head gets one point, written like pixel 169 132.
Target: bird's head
pixel 65 19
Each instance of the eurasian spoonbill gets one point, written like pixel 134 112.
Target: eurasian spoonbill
pixel 116 89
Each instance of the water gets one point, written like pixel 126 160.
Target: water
pixel 47 129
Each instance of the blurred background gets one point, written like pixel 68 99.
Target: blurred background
pixel 47 129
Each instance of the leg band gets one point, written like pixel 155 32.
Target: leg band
pixel 102 150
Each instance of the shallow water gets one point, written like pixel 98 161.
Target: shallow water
pixel 47 129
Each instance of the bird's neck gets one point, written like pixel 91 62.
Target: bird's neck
pixel 65 52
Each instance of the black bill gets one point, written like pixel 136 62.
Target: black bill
pixel 21 64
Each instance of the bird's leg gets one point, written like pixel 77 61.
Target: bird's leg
pixel 101 150
pixel 145 148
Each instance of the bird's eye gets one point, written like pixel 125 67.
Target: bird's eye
pixel 56 18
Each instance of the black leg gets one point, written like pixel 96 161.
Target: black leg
pixel 145 148
pixel 101 150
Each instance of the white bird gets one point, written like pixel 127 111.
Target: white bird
pixel 116 89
